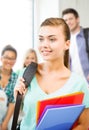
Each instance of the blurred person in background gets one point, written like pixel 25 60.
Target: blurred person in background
pixel 79 60
pixel 7 83
pixel 30 56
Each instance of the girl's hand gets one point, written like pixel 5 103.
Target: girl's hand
pixel 4 126
pixel 0 126
pixel 20 88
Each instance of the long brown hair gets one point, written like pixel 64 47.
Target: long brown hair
pixel 66 31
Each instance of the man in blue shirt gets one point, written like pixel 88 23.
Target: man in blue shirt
pixel 79 61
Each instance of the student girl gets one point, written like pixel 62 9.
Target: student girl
pixel 53 77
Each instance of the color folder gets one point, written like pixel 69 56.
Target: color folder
pixel 60 117
pixel 75 98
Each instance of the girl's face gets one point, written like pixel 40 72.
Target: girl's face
pixel 52 44
pixel 8 60
pixel 30 58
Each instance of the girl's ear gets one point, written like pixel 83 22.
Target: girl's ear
pixel 67 44
pixel 1 58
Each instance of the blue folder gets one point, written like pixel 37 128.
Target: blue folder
pixel 60 117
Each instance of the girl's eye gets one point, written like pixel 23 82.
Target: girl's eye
pixel 52 40
pixel 41 39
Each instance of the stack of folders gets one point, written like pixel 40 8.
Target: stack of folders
pixel 59 113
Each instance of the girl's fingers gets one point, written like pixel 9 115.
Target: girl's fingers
pixel 20 87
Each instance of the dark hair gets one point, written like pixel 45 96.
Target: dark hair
pixel 8 48
pixel 70 10
pixel 66 31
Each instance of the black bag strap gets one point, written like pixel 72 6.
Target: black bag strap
pixel 28 75
pixel 86 31
pixel 16 111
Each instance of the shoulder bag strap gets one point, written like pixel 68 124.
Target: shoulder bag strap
pixel 86 31
pixel 28 75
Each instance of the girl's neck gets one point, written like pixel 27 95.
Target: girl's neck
pixel 53 67
pixel 5 71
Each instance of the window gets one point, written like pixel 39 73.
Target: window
pixel 16 26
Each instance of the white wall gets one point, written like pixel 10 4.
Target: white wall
pixel 16 26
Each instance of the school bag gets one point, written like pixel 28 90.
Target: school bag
pixel 86 35
pixel 27 75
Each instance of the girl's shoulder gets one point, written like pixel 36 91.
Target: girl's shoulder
pixel 78 78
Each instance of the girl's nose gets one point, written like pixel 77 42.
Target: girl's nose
pixel 45 43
